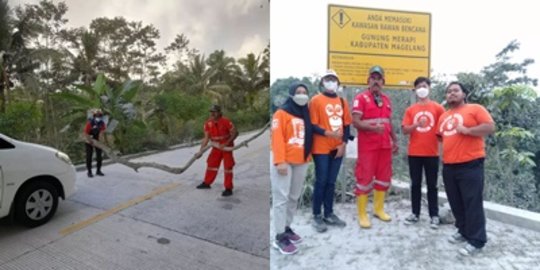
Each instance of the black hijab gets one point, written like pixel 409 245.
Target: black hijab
pixel 302 112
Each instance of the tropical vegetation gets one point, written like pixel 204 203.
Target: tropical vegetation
pixel 52 74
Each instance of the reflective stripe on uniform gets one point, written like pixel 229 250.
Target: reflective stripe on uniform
pixel 382 183
pixel 365 188
pixel 377 120
pixel 212 169
pixel 228 171
pixel 216 138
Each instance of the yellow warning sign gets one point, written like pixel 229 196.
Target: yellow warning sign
pixel 359 38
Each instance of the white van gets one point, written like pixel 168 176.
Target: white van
pixel 32 178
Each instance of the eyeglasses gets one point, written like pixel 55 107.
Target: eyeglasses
pixel 376 77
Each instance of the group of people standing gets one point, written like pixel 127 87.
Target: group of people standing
pixel 319 130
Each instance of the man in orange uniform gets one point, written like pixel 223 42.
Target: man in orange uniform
pixel 463 128
pixel 221 132
pixel 372 114
pixel 331 120
pixel 420 122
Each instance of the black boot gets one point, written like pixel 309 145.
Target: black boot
pixel 203 185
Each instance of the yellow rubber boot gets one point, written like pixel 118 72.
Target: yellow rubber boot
pixel 363 218
pixel 378 206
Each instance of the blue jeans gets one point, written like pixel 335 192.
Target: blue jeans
pixel 326 172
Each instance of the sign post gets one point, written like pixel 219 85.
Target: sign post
pixel 359 38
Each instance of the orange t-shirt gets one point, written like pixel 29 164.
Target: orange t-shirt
pixel 287 138
pixel 329 114
pixel 459 148
pixel 423 141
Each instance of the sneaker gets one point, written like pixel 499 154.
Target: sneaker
pixel 434 223
pixel 284 245
pixel 100 173
pixel 293 237
pixel 318 224
pixel 203 185
pixel 469 250
pixel 226 193
pixel 333 220
pixel 90 174
pixel 411 219
pixel 456 238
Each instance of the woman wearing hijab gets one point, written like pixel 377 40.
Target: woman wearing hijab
pixel 291 148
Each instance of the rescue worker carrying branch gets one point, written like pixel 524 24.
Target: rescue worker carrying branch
pixel 221 133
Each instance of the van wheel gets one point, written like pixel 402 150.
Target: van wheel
pixel 35 204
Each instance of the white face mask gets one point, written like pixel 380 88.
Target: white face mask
pixel 300 99
pixel 422 92
pixel 98 119
pixel 330 85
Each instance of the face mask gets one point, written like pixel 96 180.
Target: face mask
pixel 330 85
pixel 422 92
pixel 98 119
pixel 300 99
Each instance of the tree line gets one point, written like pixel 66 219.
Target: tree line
pixel 52 74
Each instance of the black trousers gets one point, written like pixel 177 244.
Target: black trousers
pixel 89 152
pixel 464 184
pixel 430 166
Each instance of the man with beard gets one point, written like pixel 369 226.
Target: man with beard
pixel 372 112
pixel 463 128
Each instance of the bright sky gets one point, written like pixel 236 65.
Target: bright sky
pixel 238 27
pixel 465 35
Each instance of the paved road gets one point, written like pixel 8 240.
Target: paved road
pixel 153 220
pixel 395 245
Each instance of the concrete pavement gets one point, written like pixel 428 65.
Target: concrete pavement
pixel 153 220
pixel 395 245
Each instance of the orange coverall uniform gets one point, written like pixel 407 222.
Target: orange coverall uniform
pixel 219 132
pixel 374 163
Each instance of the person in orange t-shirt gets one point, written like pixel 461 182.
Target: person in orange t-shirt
pixel 420 122
pixel 372 117
pixel 463 128
pixel 331 120
pixel 221 132
pixel 292 138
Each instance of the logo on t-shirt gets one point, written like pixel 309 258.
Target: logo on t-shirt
pixel 427 118
pixel 275 123
pixel 449 124
pixel 334 112
pixel 298 132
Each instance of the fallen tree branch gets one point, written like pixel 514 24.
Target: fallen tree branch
pixel 174 170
